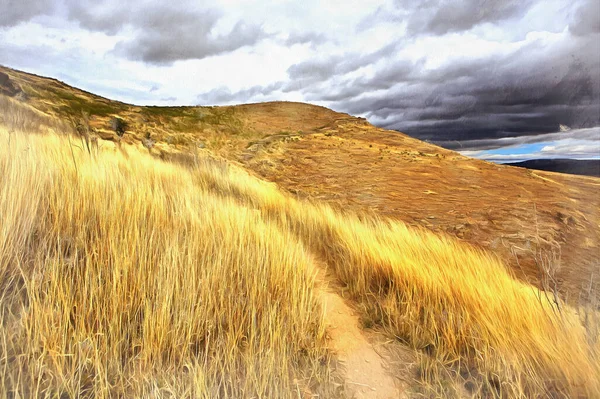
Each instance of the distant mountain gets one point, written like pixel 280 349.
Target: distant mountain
pixel 587 167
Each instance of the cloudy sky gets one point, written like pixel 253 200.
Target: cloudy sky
pixel 492 78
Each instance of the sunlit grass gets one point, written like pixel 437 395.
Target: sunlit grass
pixel 451 301
pixel 124 275
pixel 121 275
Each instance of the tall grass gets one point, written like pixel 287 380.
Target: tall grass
pixel 457 304
pixel 18 117
pixel 121 275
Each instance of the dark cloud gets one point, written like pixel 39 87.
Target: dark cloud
pixel 527 92
pixel 13 12
pixel 163 33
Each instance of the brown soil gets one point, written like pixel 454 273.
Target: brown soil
pixel 366 373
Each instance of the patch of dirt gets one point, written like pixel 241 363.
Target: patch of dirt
pixel 367 374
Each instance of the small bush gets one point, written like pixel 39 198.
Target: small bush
pixel 118 125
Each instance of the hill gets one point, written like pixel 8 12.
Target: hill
pixel 526 217
pixel 584 167
pixel 176 270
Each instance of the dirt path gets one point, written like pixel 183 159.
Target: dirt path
pixel 366 375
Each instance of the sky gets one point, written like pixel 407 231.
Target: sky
pixel 494 79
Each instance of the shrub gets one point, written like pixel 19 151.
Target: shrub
pixel 118 125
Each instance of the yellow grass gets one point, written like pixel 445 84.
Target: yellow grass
pixel 121 275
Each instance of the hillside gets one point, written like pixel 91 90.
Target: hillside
pixel 527 217
pixel 281 250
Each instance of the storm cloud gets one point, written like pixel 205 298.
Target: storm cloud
pixel 13 12
pixel 161 33
pixel 527 91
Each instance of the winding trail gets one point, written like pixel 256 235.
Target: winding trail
pixel 366 374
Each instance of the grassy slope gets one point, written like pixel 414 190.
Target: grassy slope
pixel 121 274
pixel 226 130
pixel 531 219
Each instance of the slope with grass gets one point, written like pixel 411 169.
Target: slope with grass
pixel 124 275
pixel 543 225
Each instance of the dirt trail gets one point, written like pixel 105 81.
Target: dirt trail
pixel 366 375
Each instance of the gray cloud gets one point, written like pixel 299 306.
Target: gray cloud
pixel 574 135
pixel 305 37
pixel 185 41
pixel 466 103
pixel 444 16
pixel 562 148
pixel 163 33
pixel 530 91
pixel 338 64
pixel 224 95
pixel 572 149
pixel 13 12
pixel 107 16
pixel 587 19
pixel 439 17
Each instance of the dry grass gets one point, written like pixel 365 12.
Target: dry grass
pixel 121 275
pixel 18 117
pixel 453 302
pixel 488 205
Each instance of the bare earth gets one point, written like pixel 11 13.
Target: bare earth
pixel 366 374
